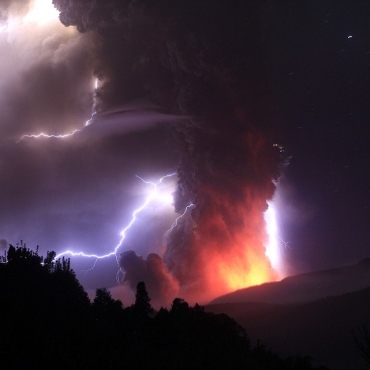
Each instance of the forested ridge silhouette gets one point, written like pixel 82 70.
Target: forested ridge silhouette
pixel 48 321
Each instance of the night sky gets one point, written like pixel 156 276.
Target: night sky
pixel 201 89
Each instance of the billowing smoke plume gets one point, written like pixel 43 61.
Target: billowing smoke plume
pixel 162 285
pixel 199 59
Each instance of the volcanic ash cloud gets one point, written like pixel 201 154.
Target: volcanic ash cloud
pixel 201 60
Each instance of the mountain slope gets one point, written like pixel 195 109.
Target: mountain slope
pixel 305 287
pixel 321 329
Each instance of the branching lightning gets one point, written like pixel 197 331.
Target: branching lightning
pixel 153 195
pixel 63 136
pixel 42 134
pixel 48 136
pixel 182 215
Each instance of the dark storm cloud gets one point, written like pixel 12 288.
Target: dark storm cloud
pixel 170 48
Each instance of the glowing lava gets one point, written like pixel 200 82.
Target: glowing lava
pixel 242 264
pixel 245 270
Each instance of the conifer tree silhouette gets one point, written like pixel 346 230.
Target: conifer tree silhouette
pixel 142 304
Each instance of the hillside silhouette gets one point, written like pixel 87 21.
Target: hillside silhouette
pixel 49 322
pixel 323 328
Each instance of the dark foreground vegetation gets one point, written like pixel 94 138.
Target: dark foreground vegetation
pixel 48 321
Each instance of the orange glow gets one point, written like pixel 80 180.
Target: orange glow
pixel 233 237
pixel 237 266
pixel 233 226
pixel 228 250
pixel 240 273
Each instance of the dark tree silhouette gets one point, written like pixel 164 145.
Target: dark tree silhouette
pixel 142 304
pixel 49 261
pixel 179 306
pixel 103 299
pixel 23 257
pixel 45 312
pixel 105 307
pixel 49 322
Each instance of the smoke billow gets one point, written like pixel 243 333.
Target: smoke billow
pixel 162 285
pixel 203 60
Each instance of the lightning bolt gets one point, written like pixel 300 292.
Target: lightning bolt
pixel 285 243
pixel 181 216
pixel 42 134
pixel 275 241
pixel 152 195
pixel 87 123
pixel 272 247
pixel 48 136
